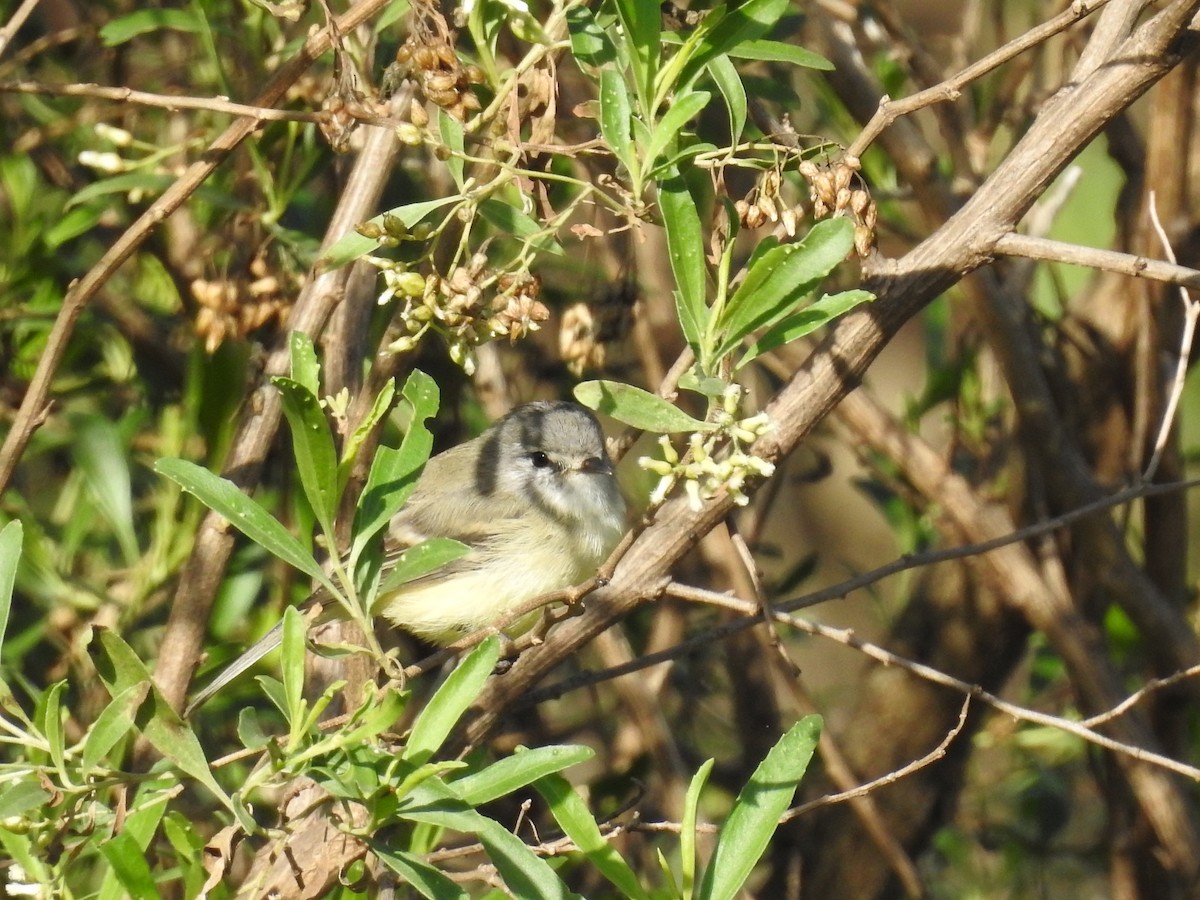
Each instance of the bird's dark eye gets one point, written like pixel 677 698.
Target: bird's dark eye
pixel 539 459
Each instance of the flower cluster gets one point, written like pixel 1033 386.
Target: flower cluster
pixel 455 306
pixel 705 474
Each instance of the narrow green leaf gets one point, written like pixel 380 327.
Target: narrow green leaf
pixel 781 278
pixel 642 21
pixel 249 517
pixel 351 246
pixel 511 773
pixel 148 183
pixel 525 874
pixel 101 456
pixel 509 220
pixel 147 21
pixel 591 43
pixel 113 724
pixel 394 473
pixel 312 442
pixel 687 828
pixel 636 407
pixel 127 879
pixel 52 726
pixel 572 815
pixel 250 731
pixel 418 874
pixel 729 83
pixel 72 224
pixel 614 119
pixel 747 22
pixel 292 652
pixel 778 51
pixel 413 562
pixel 20 797
pixel 120 669
pixel 11 536
pixel 379 409
pixel 756 811
pixel 683 110
pixel 129 864
pixel 808 320
pixel 306 369
pixel 451 131
pixel 685 245
pixel 446 707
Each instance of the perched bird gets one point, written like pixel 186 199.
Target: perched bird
pixel 535 499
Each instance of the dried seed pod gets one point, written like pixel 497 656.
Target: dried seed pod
pixel 417 114
pixel 842 201
pixel 841 177
pixel 440 81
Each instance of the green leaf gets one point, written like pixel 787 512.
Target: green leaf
pixel 756 811
pixel 747 22
pixel 147 21
pixel 636 407
pixel 591 43
pixel 101 456
pixel 778 51
pixel 10 555
pixel 572 815
pixel 145 182
pixel 20 797
pixel 511 773
pixel 683 110
pixel 446 707
pixel 292 652
pixel 312 442
pixel 250 731
pixel 72 224
pixel 306 369
pixel 418 874
pixel 421 559
pixel 120 669
pixel 451 131
pixel 52 727
pixel 729 83
pixel 509 220
pixel 687 828
pixel 614 119
pixel 351 246
pixel 806 321
pixel 525 874
pixel 685 246
pixel 129 864
pixel 780 278
pixel 113 724
pixel 394 473
pixel 642 21
pixel 222 496
pixel 379 409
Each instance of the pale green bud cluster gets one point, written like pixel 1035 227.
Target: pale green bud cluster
pixel 703 471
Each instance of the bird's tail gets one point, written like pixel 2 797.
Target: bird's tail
pixel 264 645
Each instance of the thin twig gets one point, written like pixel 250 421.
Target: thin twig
pixel 929 673
pixel 1191 310
pixel 1014 244
pixel 13 25
pixel 950 89
pixel 891 777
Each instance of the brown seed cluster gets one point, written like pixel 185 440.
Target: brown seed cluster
pixel 234 307
pixel 832 191
pixel 435 68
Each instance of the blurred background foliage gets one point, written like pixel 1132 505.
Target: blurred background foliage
pixel 164 359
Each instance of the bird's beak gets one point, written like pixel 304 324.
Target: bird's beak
pixel 595 465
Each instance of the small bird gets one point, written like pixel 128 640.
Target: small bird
pixel 534 497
